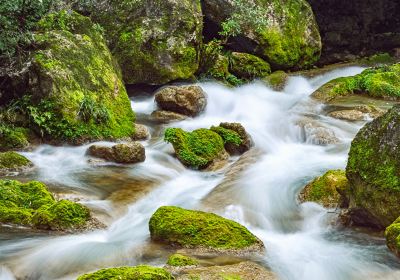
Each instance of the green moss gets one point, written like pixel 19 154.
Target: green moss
pixel 80 94
pixel 277 80
pixel 61 215
pixel 392 235
pixel 378 59
pixel 13 137
pixel 195 149
pixel 11 160
pixel 373 168
pixel 230 277
pixel 324 189
pixel 228 136
pixel 188 228
pixel 181 260
pixel 141 272
pixel 157 42
pixel 31 204
pixel 247 66
pixel 383 81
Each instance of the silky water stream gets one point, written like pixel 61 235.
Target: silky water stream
pixel 301 240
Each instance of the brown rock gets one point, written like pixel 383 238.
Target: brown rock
pixel 166 116
pixel 247 142
pixel 120 153
pixel 141 132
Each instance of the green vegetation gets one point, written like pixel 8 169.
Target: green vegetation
pixel 181 260
pixel 277 80
pixel 247 66
pixel 383 81
pixel 142 272
pixel 324 189
pixel 196 149
pixel 13 137
pixel 228 136
pixel 13 160
pixel 188 228
pixel 31 204
pixel 372 168
pixel 392 234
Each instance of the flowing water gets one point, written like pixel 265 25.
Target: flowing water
pixel 301 240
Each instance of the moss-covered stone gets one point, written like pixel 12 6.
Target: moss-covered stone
pixel 373 171
pixel 76 86
pixel 13 161
pixel 236 139
pixel 383 81
pixel 181 260
pixel 141 272
pixel 277 80
pixel 31 204
pixel 248 66
pixel 194 229
pixel 154 41
pixel 392 234
pixel 196 149
pixel 326 189
pixel 289 39
pixel 13 138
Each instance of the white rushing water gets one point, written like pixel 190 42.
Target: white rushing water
pixel 301 243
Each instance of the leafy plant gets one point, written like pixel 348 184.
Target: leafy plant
pixel 90 109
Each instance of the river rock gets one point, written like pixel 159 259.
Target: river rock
pixel 75 85
pixel 277 80
pixel 185 100
pixel 162 116
pixel 382 82
pixel 374 191
pixel 120 153
pixel 12 138
pixel 12 162
pixel 141 132
pixel 203 232
pixel 392 235
pixel 289 37
pixel 247 66
pixel 244 271
pixel 140 272
pixel 236 139
pixel 31 204
pixel 359 113
pixel 326 189
pixel 317 133
pixel 197 149
pixel 155 42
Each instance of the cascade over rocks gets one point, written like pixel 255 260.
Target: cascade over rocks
pixel 372 171
pixel 357 27
pixel 289 40
pixel 154 41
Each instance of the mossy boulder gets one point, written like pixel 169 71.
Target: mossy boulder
pixel 31 204
pixel 381 82
pixel 154 41
pixel 75 84
pixel 14 162
pixel 187 100
pixel 277 80
pixel 12 138
pixel 248 66
pixel 373 172
pixel 200 230
pixel 179 260
pixel 236 139
pixel 196 149
pixel 326 189
pixel 120 153
pixel 392 234
pixel 141 272
pixel 288 39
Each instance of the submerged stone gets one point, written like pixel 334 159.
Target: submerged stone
pixel 141 272
pixel 200 230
